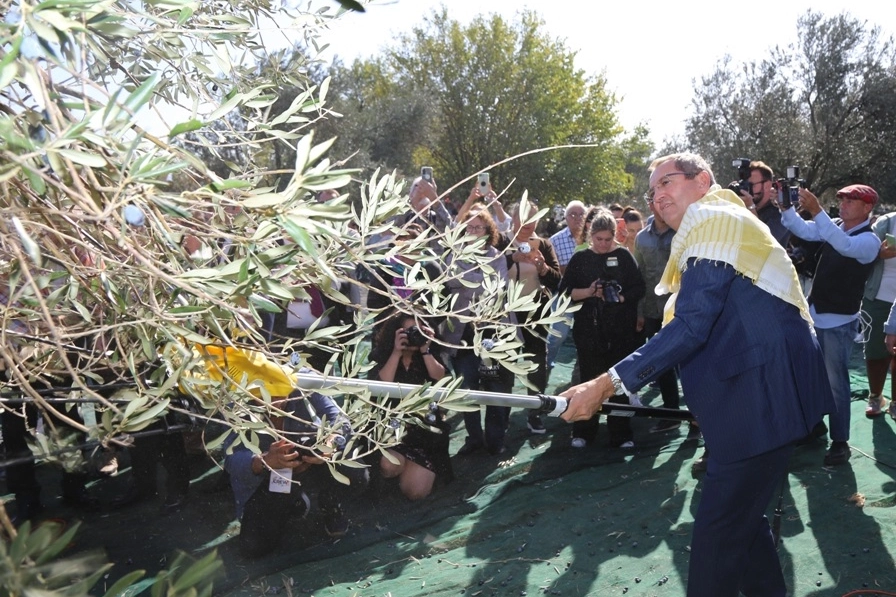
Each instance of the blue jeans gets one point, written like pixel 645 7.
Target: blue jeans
pixel 466 365
pixel 555 342
pixel 836 345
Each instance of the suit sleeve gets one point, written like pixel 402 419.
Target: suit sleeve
pixel 704 289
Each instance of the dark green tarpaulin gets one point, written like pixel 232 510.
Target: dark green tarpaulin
pixel 542 519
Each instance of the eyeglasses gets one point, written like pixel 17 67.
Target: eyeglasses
pixel 476 228
pixel 663 183
pixel 576 216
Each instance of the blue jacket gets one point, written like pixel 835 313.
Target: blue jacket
pixel 752 371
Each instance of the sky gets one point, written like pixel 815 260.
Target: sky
pixel 650 52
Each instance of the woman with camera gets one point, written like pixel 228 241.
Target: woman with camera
pixel 605 279
pixel 532 263
pixel 467 280
pixel 405 353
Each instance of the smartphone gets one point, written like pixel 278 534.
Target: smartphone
pixel 483 183
pixel 891 241
pixel 426 173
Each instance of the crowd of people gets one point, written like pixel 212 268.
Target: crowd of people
pixel 659 299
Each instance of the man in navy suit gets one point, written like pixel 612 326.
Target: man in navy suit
pixel 754 389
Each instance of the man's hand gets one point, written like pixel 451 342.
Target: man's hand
pixel 422 195
pixel 586 399
pixel 886 251
pixel 281 454
pixel 748 200
pixel 809 202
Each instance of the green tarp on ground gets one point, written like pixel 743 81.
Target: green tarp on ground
pixel 541 519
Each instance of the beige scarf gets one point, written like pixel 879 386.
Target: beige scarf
pixel 718 227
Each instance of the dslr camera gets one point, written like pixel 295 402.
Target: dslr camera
pixel 611 288
pixel 415 336
pixel 789 187
pixel 742 184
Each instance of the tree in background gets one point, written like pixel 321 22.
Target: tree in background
pixel 819 103
pixel 126 255
pixel 460 98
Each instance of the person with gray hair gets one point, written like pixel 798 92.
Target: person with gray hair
pixel 755 389
pixel 565 243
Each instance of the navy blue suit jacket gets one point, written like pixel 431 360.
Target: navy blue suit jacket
pixel 752 371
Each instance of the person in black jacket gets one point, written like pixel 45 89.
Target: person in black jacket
pixel 606 280
pixel 406 354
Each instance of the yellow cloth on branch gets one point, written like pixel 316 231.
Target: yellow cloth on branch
pixel 225 363
pixel 720 228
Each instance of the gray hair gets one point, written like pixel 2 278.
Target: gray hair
pixel 689 163
pixel 571 204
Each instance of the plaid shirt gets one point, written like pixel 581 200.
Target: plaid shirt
pixel 564 246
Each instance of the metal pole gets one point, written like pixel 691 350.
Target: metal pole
pixel 553 406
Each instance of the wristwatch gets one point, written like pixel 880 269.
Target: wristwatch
pixel 617 382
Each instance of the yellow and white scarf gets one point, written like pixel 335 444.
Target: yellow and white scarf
pixel 719 227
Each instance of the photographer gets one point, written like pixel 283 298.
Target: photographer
pixel 468 281
pixel 405 354
pixel 880 294
pixel 532 263
pixel 265 484
pixel 761 200
pixel 845 261
pixel 606 280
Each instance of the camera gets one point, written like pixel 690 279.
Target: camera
pixel 743 175
pixel 488 369
pixel 611 289
pixel 789 187
pixel 426 173
pixel 524 248
pixel 415 336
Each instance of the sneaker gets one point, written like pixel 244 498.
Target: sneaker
pixel 663 426
pixel 578 443
pixel 838 454
pixel 629 445
pixel 876 404
pixel 634 399
pixel 535 425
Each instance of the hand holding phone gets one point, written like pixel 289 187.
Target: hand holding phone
pixel 483 183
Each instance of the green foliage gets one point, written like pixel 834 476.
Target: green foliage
pixel 817 103
pixel 124 250
pixel 464 98
pixel 35 562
